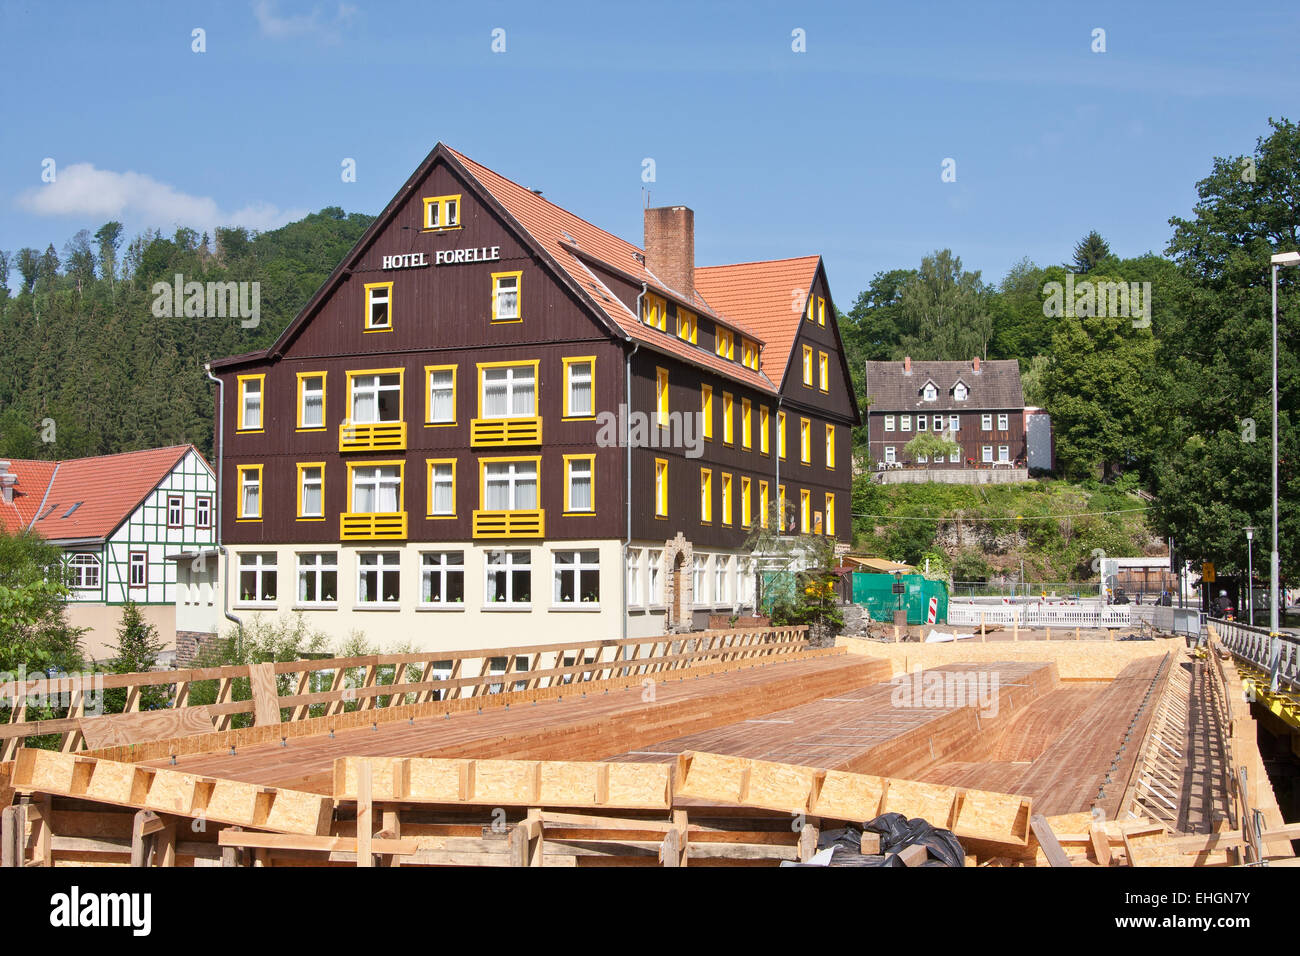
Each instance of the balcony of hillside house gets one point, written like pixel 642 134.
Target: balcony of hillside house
pixel 971 472
pixel 510 524
pixel 373 526
pixel 374 436
pixel 503 432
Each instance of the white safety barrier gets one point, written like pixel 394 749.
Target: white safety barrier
pixel 1039 615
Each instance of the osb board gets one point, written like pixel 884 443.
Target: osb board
pixel 119 729
pixel 1075 660
pixel 6 791
pixel 174 792
pixel 137 750
pixel 266 702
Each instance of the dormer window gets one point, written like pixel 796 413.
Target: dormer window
pixel 441 212
pixel 930 393
pixel 959 392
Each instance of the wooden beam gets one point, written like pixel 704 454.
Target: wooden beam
pixel 365 811
pixel 1047 841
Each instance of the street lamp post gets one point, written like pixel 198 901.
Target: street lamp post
pixel 1250 576
pixel 1278 261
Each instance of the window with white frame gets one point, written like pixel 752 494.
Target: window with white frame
pixel 376 398
pixel 379 577
pixel 938 423
pixel 509 577
pixel 954 423
pixel 633 571
pixel 698 582
pixel 579 478
pixel 442 578
pixel 954 457
pixel 442 488
pixel 311 488
pixel 1002 423
pixel 84 568
pixel 922 423
pixel 318 577
pixel 986 423
pixel 960 392
pixel 923 459
pixel 654 582
pixel 577 577
pixel 510 486
pixel 578 395
pixel 250 491
pixel 311 398
pixel 721 579
pixel 379 303
pixel 175 511
pixel 257 577
pixel 376 489
pixel 139 569
pixel 986 453
pixel 1004 453
pixel 250 400
pixel 203 512
pixel 931 393
pixel 509 391
pixel 442 396
pixel 889 423
pixel 890 453
pixel 905 423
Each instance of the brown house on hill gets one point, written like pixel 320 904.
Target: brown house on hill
pixel 977 404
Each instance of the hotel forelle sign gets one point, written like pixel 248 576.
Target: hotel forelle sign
pixel 443 257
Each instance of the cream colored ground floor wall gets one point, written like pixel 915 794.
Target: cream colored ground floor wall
pixel 103 620
pixel 479 621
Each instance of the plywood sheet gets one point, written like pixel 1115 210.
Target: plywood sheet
pixel 115 730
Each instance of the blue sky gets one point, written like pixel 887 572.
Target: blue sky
pixel 836 150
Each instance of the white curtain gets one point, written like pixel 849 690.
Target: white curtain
pixel 580 486
pixel 443 404
pixel 523 394
pixel 443 497
pixel 250 498
pixel 363 407
pixel 311 498
pixel 580 390
pixel 494 393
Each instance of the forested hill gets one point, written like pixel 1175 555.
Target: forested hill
pixel 83 349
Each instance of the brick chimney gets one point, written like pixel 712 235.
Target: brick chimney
pixel 7 482
pixel 907 365
pixel 975 364
pixel 670 247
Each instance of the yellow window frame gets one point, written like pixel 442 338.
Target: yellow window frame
pixel 568 363
pixel 661 488
pixel 780 435
pixel 428 488
pixel 764 503
pixel 537 383
pixel 749 354
pixel 428 396
pixel 805 441
pixel 401 483
pixel 746 501
pixel 298 514
pixel 726 344
pixel 369 325
pixel 805 510
pixel 726 498
pixel 518 276
pixel 239 492
pixel 706 496
pixel 728 423
pixel 780 497
pixel 350 374
pixel 688 328
pixel 823 372
pixel 807 366
pixel 746 423
pixel 441 203
pixel 324 403
pixel 764 426
pixel 482 475
pixel 654 312
pixel 243 381
pixel 830 514
pixel 568 508
pixel 821 311
pixel 810 305
pixel 661 396
pixel 706 410
pixel 830 447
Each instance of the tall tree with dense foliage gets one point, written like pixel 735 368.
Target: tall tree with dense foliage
pixel 137 650
pixel 945 311
pixel 34 628
pixel 1090 251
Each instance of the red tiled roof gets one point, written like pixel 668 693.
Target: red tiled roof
pixel 761 294
pixel 33 479
pixel 547 223
pixel 109 488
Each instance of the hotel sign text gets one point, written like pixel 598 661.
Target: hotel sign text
pixel 443 257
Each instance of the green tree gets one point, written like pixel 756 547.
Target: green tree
pixel 945 311
pixel 34 628
pixel 931 446
pixel 1089 251
pixel 137 650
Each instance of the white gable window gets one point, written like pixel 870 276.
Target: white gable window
pixel 959 392
pixel 889 423
pixel 931 393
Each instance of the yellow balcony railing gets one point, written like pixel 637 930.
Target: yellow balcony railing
pixel 386 525
pixel 380 436
pixel 510 524
pixel 497 432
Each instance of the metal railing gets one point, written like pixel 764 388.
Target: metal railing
pixel 1255 646
pixel 1039 615
pixel 1028 590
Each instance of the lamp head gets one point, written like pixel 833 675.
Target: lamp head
pixel 1287 259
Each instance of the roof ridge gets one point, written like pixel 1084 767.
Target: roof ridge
pixel 759 262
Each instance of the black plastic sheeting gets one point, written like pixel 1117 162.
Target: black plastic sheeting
pixel 897 833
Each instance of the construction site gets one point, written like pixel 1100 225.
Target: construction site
pixel 723 748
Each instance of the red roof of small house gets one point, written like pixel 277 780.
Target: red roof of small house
pixel 91 497
pixel 29 491
pixel 763 296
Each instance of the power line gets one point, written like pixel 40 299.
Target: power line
pixel 1077 514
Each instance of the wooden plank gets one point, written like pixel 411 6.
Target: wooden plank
pixel 1047 841
pixel 113 730
pixel 913 855
pixel 1100 844
pixel 13 836
pixel 234 837
pixel 365 811
pixel 266 700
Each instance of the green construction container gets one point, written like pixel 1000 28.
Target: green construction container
pixel 875 592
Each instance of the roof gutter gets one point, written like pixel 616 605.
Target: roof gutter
pixel 221 485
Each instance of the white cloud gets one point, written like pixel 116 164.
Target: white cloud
pixel 298 25
pixel 82 190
